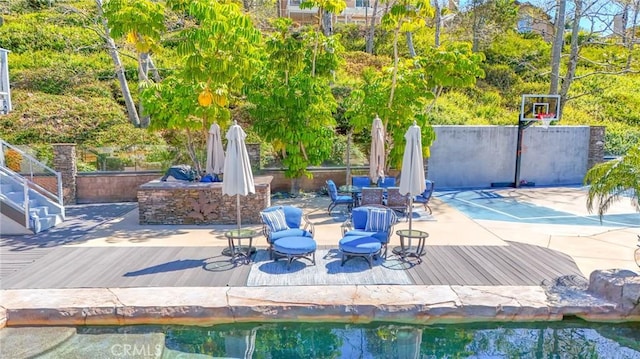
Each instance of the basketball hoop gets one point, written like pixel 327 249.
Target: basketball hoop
pixel 545 119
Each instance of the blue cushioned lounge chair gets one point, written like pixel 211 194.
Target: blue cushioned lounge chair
pixel 284 222
pixel 338 199
pixel 375 221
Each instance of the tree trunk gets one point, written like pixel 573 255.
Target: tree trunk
pixel 394 78
pixel 625 12
pixel 573 55
pixel 438 20
pixel 475 28
pixel 143 76
pixel 327 23
pixel 154 70
pixel 372 28
pixel 556 50
pixel 632 41
pixel 122 79
pixel 412 50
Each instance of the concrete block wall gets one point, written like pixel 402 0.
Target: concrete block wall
pixel 477 156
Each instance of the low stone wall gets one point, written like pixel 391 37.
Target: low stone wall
pixel 199 203
pixel 110 187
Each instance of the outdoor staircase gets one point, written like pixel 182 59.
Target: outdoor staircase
pixel 26 206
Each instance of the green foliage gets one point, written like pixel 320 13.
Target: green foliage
pixel 501 76
pixel 619 139
pixel 217 56
pixel 525 56
pixel 294 108
pixel 352 35
pixel 614 180
pixel 43 118
pixel 34 32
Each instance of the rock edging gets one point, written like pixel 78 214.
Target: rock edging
pixel 351 304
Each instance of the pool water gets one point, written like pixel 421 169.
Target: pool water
pixel 566 339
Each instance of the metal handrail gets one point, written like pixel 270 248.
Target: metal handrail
pixel 30 176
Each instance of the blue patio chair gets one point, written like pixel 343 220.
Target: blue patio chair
pixel 387 182
pixel 375 221
pixel 360 181
pixel 338 199
pixel 279 222
pixel 425 196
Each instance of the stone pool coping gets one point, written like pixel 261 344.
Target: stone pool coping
pixel 348 304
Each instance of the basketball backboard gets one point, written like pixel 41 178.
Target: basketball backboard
pixel 535 107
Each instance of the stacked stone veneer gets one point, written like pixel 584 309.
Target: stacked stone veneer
pixel 596 145
pixel 199 203
pixel 64 161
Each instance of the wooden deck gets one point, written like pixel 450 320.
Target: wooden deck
pixel 94 267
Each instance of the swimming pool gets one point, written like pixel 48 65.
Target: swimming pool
pixel 565 339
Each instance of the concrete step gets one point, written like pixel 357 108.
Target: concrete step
pixel 40 211
pixel 6 188
pixel 15 196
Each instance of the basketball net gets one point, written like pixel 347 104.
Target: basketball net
pixel 545 119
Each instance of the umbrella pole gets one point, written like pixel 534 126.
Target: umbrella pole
pixel 238 211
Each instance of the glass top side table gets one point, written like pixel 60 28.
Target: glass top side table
pixel 239 251
pixel 406 249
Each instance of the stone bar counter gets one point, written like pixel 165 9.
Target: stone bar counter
pixel 180 202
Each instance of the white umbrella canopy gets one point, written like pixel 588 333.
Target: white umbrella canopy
pixel 412 178
pixel 376 155
pixel 238 177
pixel 215 152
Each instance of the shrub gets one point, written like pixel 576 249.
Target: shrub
pixel 501 76
pixel 13 160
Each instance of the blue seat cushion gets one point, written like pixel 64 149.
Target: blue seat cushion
pixel 295 245
pixel 291 232
pixel 360 245
pixel 383 237
pixel 344 199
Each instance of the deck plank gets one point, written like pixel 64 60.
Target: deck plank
pixel 515 264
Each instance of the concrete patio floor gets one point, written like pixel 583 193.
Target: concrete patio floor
pixel 590 246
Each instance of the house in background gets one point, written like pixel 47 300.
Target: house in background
pixel 357 12
pixel 5 90
pixel 532 19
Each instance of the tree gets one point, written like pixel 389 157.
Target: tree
pixel 556 49
pixel 141 22
pixel 486 19
pixel 291 99
pixel 420 79
pixel 405 16
pixel 372 28
pixel 614 180
pixel 119 68
pixel 586 32
pixel 216 56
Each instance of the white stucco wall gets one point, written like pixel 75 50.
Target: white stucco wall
pixel 477 156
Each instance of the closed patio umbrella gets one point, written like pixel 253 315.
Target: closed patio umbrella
pixel 412 179
pixel 376 155
pixel 215 152
pixel 238 177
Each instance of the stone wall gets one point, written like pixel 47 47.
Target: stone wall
pixel 64 161
pixel 182 202
pixel 109 187
pixel 596 145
